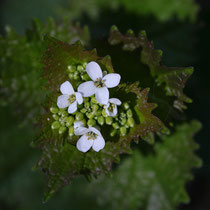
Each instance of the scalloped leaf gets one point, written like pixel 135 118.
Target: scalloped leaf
pixel 174 79
pixel 156 181
pixel 61 161
pixel 21 64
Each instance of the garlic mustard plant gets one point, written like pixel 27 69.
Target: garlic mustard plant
pixel 111 107
pixel 69 98
pixel 99 86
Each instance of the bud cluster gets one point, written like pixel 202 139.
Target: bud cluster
pixel 91 113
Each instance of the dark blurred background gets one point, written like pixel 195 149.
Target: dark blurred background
pixel 184 39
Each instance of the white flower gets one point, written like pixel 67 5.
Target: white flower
pixel 69 98
pixel 111 107
pixel 99 86
pixel 91 137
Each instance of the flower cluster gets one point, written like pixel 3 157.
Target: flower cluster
pixel 90 108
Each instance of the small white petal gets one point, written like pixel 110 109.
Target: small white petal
pixel 112 80
pixel 87 89
pixel 78 124
pixel 94 70
pixel 114 111
pixel 115 101
pixel 62 101
pixel 84 144
pixel 66 88
pixel 98 143
pixel 111 114
pixel 79 98
pixel 80 131
pixel 72 108
pixel 94 130
pixel 102 95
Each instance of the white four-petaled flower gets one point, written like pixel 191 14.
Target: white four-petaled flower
pixel 111 107
pixel 99 86
pixel 69 98
pixel 91 137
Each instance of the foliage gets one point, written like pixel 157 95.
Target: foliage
pixel 155 181
pixel 174 79
pixel 21 64
pixel 61 161
pixel 161 9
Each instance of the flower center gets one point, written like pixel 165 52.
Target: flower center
pixel 111 107
pixel 72 98
pixel 99 83
pixel 91 135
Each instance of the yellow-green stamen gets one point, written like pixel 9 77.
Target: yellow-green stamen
pixel 91 135
pixel 111 107
pixel 99 83
pixel 72 98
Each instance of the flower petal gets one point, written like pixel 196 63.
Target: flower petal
pixel 111 114
pixel 66 88
pixel 62 101
pixel 79 128
pixel 72 108
pixel 79 98
pixel 98 143
pixel 87 89
pixel 94 130
pixel 80 131
pixel 115 101
pixel 102 95
pixel 112 80
pixel 84 144
pixel 94 70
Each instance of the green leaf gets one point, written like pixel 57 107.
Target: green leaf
pixel 21 64
pixel 155 181
pixel 61 161
pixel 173 79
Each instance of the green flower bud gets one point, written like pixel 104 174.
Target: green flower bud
pixel 62 130
pixel 129 113
pixel 95 107
pixel 131 122
pixel 123 121
pixel 85 77
pixel 79 116
pixel 55 125
pixel 98 113
pixel 83 110
pixel 109 120
pixel 69 121
pixel 90 115
pixel 91 122
pixel 115 125
pixel 71 75
pixel 84 122
pixel 80 68
pixel 93 100
pixel 123 131
pixel 55 117
pixel 85 99
pixel 104 113
pixel 54 110
pixel 84 64
pixel 87 105
pixel 64 113
pixel 113 132
pixel 71 68
pixel 76 75
pixel 100 120
pixel 126 106
pixel 71 131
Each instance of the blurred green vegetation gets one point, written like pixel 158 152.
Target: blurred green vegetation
pixel 182 43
